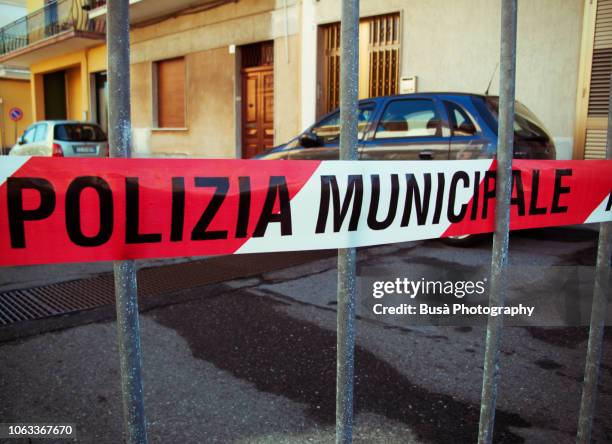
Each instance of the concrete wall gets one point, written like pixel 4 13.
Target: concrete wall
pixel 454 46
pixel 286 89
pixel 209 119
pixel 14 93
pixel 212 81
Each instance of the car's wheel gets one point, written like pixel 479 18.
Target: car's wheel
pixel 465 240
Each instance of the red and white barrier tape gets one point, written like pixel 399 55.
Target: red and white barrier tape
pixel 80 210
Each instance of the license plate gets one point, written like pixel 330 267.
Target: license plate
pixel 85 149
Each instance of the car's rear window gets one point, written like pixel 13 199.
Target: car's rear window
pixel 79 132
pixel 526 124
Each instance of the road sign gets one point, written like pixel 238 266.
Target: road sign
pixel 15 114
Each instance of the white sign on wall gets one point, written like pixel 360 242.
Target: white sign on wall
pixel 408 85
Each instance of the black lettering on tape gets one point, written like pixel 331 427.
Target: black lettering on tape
pixel 244 206
pixel 559 190
pixel 489 192
pixel 221 185
pixel 17 215
pixel 373 223
pixel 535 188
pixel 519 198
pixel 439 199
pixel 354 189
pixel 465 178
pixel 276 188
pixel 421 203
pixel 132 215
pixel 475 196
pixel 177 223
pixel 73 211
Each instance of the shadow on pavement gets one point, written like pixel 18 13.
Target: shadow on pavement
pixel 247 336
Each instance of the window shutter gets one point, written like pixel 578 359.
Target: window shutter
pixel 171 93
pixel 599 90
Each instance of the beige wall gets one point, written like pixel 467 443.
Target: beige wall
pixel 454 46
pixel 212 82
pixel 286 89
pixel 209 108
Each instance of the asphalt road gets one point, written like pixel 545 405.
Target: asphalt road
pixel 252 360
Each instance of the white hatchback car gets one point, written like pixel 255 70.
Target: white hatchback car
pixel 62 138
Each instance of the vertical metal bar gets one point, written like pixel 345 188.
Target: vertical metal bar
pixel 119 125
pixel 598 313
pixel 347 257
pixel 499 260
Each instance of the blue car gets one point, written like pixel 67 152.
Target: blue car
pixel 423 126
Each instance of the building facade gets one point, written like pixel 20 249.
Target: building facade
pixel 228 78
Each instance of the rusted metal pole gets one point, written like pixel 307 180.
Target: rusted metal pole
pixel 120 140
pixel 347 257
pixel 499 260
pixel 601 291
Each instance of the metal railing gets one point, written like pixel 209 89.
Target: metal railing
pixel 125 276
pixel 55 18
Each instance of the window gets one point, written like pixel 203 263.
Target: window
pixel 409 118
pixel 169 84
pixel 28 136
pixel 379 59
pixel 41 132
pixel 329 128
pixel 79 132
pixel 460 122
pixel 526 125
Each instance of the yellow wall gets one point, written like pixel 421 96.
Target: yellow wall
pixel 75 94
pixel 14 93
pixel 78 65
pixel 33 5
pixel 96 58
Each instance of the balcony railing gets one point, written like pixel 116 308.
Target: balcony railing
pixel 55 18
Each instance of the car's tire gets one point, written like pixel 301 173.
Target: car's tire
pixel 465 241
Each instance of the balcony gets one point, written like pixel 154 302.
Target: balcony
pixel 60 27
pixel 143 12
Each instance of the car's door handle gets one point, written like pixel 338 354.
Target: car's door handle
pixel 426 155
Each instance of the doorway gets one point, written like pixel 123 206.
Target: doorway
pixel 54 85
pixel 100 82
pixel 257 98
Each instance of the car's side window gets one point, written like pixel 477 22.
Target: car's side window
pixel 460 122
pixel 329 128
pixel 41 132
pixel 28 136
pixel 409 118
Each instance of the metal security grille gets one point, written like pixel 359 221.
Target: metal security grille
pixel 331 66
pixel 599 87
pixel 384 50
pixel 379 58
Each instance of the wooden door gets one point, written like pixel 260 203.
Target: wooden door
pixel 257 110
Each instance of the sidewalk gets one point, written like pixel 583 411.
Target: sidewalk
pixel 253 361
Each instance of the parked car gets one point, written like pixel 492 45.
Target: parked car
pixel 424 126
pixel 62 138
pixel 427 126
